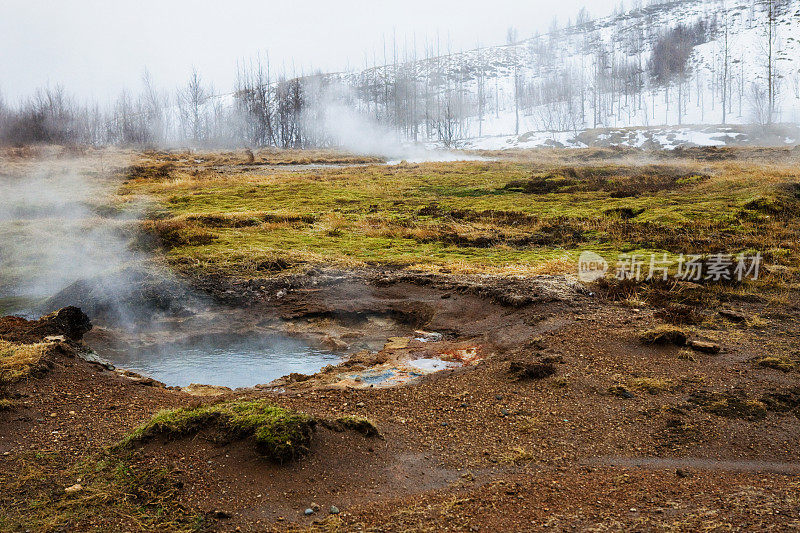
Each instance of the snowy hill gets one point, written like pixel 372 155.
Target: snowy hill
pixel 618 72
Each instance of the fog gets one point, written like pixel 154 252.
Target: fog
pixel 53 233
pixel 97 48
pixel 347 128
pixel 64 243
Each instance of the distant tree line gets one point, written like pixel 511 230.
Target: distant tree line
pixel 569 79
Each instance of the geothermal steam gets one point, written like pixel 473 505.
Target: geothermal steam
pixel 347 128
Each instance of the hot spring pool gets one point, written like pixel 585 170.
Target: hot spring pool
pixel 227 360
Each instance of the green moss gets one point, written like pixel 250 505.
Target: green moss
pixel 469 216
pixel 279 434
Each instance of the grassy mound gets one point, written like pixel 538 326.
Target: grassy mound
pixel 19 360
pixel 279 434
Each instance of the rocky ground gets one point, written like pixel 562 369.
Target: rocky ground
pixel 563 419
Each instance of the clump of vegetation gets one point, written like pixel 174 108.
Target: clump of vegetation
pixel 19 360
pixel 730 405
pixel 178 232
pixel 783 364
pixel 6 404
pixel 518 455
pixel 279 434
pixel 522 370
pixel 663 335
pixel 355 423
pixel 621 391
pixel 783 401
pixel 738 408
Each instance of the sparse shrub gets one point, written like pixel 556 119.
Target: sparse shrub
pixel 19 360
pixel 679 314
pixel 738 408
pixel 616 289
pixel 179 232
pixel 730 405
pixel 624 213
pixel 518 455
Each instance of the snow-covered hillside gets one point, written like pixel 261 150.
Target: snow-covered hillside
pixel 600 74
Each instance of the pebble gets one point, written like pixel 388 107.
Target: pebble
pixel 334 509
pixel 77 487
pixel 498 397
pixel 309 511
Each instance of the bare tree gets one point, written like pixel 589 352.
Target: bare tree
pixel 192 99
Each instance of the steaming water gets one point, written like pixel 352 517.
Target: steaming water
pixel 56 237
pixel 228 360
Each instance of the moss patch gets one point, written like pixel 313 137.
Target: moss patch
pixel 279 434
pixel 465 216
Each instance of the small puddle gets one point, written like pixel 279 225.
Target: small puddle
pixel 225 360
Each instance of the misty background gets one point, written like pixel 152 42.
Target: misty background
pixel 510 74
pixel 96 48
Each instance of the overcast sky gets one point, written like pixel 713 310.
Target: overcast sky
pixel 96 47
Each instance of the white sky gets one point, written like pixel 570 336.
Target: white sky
pixel 96 47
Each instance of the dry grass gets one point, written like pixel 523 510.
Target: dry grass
pixel 18 360
pixel 518 455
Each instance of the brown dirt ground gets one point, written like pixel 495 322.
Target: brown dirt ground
pixel 473 449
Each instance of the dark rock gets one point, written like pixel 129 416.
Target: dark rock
pixel 69 321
